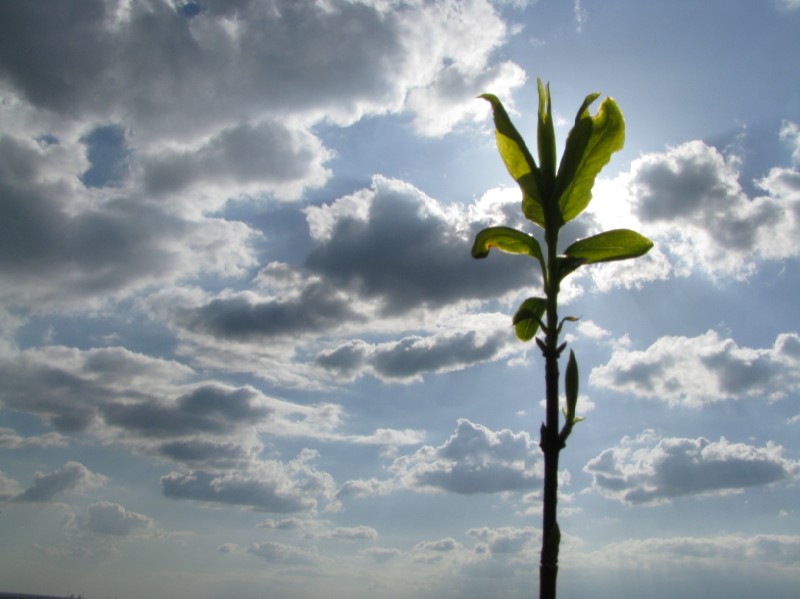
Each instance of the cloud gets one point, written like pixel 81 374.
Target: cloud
pixel 690 202
pixel 350 533
pixel 395 244
pixel 724 551
pixel 206 409
pixel 108 518
pixel 581 15
pixel 268 486
pixel 696 371
pixel 9 488
pixel 474 459
pixel 244 157
pixel 382 554
pixel 317 307
pixel 505 540
pixel 114 115
pixel 61 244
pixel 648 470
pixel 72 477
pixel 408 359
pixel 430 552
pixel 10 439
pixel 282 524
pixel 790 132
pixel 278 553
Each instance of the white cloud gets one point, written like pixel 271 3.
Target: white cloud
pixel 690 202
pixel 790 131
pixel 108 518
pixel 773 552
pixel 68 246
pixel 649 470
pixel 506 540
pixel 8 486
pixel 475 459
pixel 10 439
pixel 695 371
pixel 349 533
pixel 581 15
pixel 268 486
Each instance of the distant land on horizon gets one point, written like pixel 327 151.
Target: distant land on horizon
pixel 4 595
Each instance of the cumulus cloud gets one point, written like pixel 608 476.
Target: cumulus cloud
pixel 475 459
pixel 690 202
pixel 282 524
pixel 127 105
pixel 696 371
pixel 108 518
pixel 72 477
pixel 10 439
pixel 61 244
pixel 317 307
pixel 268 486
pixel 408 359
pixel 349 533
pixel 650 470
pixel 428 552
pixel 8 486
pixel 395 244
pixel 505 540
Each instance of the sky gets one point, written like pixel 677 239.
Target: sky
pixel 245 351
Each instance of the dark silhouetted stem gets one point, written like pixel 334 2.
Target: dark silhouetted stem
pixel 550 441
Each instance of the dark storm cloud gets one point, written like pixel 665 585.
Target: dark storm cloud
pixel 651 471
pixel 408 254
pixel 318 307
pixel 71 477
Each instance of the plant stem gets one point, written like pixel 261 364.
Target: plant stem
pixel 550 442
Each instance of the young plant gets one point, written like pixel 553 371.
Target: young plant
pixel 550 199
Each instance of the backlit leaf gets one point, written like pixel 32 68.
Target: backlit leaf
pixel 518 160
pixel 589 147
pixel 529 315
pixel 618 244
pixel 508 240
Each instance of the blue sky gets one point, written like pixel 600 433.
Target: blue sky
pixel 245 352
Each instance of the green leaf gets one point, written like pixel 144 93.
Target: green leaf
pixel 589 147
pixel 618 244
pixel 546 136
pixel 518 160
pixel 528 317
pixel 508 240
